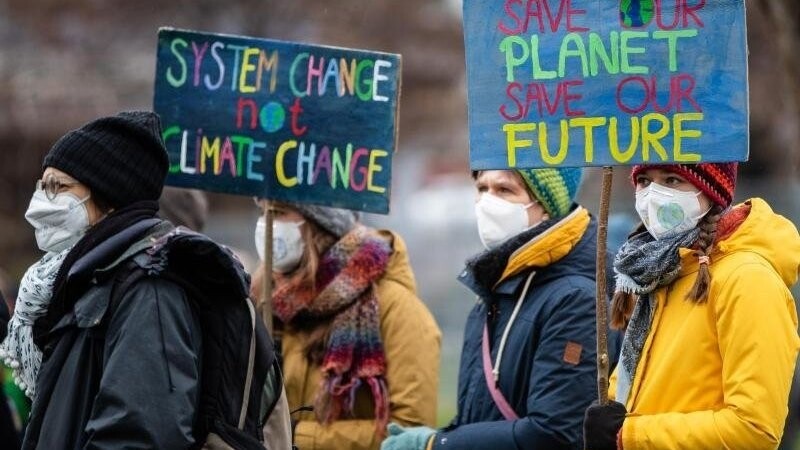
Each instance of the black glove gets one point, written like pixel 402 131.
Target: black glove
pixel 601 424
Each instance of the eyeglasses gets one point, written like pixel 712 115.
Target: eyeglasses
pixel 52 186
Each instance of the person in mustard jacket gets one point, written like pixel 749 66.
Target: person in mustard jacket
pixel 359 347
pixel 711 339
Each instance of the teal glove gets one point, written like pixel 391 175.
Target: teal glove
pixel 412 438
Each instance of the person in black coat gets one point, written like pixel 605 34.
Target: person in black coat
pixel 96 381
pixel 114 360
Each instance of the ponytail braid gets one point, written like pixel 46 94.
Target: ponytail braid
pixel 621 309
pixel 705 243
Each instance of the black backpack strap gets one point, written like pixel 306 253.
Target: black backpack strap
pixel 123 279
pixel 273 385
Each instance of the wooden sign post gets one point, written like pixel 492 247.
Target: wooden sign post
pixel 266 305
pixel 575 83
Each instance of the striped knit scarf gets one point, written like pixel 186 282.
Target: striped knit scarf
pixel 354 352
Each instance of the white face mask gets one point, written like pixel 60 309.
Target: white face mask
pixel 287 244
pixel 58 223
pixel 666 211
pixel 500 219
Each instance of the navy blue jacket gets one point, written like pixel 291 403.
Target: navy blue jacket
pixel 547 372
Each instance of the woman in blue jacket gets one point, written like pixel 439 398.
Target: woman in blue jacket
pixel 528 362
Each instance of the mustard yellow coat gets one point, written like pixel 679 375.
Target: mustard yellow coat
pixel 717 375
pixel 411 340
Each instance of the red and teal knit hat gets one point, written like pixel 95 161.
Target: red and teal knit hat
pixel 716 180
pixel 555 189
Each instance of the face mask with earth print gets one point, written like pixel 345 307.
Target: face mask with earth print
pixel 667 212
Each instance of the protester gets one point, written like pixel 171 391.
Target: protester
pixel 528 361
pixel 108 337
pixel 711 339
pixel 359 348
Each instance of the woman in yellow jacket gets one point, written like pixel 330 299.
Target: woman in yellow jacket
pixel 359 347
pixel 711 338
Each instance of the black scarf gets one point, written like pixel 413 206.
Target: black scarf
pixel 67 290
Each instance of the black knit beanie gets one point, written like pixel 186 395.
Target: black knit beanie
pixel 122 159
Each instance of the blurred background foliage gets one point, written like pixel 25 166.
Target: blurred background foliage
pixel 64 62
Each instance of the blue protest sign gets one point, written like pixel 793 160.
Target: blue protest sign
pixel 599 83
pixel 281 120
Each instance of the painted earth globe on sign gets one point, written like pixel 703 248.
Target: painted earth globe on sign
pixel 635 13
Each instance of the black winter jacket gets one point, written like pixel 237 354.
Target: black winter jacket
pixel 125 381
pixel 127 373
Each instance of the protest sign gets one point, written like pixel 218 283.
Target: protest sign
pixel 601 83
pixel 281 120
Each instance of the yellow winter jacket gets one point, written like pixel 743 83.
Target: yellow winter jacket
pixel 717 375
pixel 411 341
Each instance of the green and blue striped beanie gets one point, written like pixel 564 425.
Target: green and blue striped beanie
pixel 555 189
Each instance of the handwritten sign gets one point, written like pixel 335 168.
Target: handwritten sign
pixel 612 82
pixel 281 120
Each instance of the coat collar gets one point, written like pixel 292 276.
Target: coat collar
pixel 559 247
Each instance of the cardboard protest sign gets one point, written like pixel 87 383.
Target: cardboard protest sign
pixel 280 120
pixel 601 83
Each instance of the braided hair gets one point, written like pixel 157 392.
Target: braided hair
pixel 705 244
pixel 621 309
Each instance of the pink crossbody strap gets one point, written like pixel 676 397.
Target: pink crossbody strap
pixel 499 400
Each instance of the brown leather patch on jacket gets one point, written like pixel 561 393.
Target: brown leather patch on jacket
pixel 572 353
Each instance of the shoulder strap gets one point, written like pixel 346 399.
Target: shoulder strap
pixel 498 397
pixel 123 280
pixel 251 359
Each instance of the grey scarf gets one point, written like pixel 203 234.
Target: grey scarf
pixel 642 265
pixel 18 349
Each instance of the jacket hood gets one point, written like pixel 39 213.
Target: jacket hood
pixel 763 232
pixel 580 260
pixel 550 246
pixel 771 236
pixel 399 268
pixel 160 247
pixel 193 257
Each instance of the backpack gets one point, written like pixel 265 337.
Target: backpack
pixel 240 376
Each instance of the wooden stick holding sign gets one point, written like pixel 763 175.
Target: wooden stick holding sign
pixel 578 83
pixel 266 303
pixel 278 120
pixel 603 359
